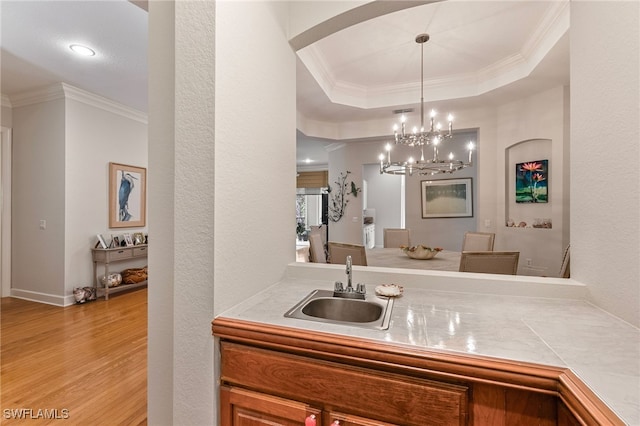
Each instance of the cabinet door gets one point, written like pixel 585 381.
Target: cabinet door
pixel 350 420
pixel 239 407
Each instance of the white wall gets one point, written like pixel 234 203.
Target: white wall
pixel 60 175
pixel 6 113
pixel 447 233
pixel 605 123
pixel 38 194
pixel 226 117
pixel 540 117
pixel 95 136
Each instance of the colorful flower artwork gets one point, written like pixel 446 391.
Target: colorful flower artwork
pixel 532 182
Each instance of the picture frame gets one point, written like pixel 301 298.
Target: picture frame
pixel 101 241
pixel 532 182
pixel 128 240
pixel 127 196
pixel 115 242
pixel 447 198
pixel 138 238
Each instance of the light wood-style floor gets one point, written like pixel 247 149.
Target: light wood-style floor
pixel 89 359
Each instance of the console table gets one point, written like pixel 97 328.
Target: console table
pixel 118 254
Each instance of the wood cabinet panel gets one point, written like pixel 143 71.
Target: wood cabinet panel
pixel 240 407
pixel 488 405
pixel 529 408
pixel 351 420
pixel 362 392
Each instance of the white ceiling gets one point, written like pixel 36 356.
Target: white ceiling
pixel 35 48
pixel 480 53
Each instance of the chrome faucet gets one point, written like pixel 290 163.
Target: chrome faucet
pixel 349 274
pixel 349 292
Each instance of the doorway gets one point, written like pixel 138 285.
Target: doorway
pixel 5 212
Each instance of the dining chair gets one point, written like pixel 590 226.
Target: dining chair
pixel 565 271
pixel 338 253
pixel 396 237
pixel 316 248
pixel 490 262
pixel 320 229
pixel 478 241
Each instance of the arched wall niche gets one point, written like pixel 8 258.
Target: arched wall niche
pixel 534 228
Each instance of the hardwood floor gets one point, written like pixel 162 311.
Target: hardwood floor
pixel 85 363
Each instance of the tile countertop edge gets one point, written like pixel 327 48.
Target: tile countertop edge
pixel 510 285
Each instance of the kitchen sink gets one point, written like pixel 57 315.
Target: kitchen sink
pixel 322 306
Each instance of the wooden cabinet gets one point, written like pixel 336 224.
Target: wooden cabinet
pixel 118 254
pixel 245 408
pixel 354 395
pixel 273 375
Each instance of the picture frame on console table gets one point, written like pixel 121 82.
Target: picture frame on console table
pixel 127 196
pixel 447 198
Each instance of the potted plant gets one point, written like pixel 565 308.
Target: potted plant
pixel 301 230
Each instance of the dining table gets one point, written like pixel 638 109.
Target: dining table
pixel 395 258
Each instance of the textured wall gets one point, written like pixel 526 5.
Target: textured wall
pixel 605 112
pixel 222 189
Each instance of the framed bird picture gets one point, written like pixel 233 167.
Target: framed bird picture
pixel 127 196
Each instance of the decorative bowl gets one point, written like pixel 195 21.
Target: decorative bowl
pixel 420 252
pixel 111 280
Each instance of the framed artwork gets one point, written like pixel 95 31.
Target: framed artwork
pixel 138 238
pixel 128 240
pixel 447 198
pixel 532 182
pixel 101 241
pixel 127 196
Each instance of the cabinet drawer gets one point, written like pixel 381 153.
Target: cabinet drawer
pixel 139 251
pixel 119 254
pixel 382 396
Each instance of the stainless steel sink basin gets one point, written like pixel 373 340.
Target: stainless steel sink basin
pixel 322 306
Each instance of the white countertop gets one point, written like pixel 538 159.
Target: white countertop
pixel 598 347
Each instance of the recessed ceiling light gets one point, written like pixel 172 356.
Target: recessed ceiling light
pixel 82 50
pixel 308 160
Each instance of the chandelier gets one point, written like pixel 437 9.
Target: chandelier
pixel 433 137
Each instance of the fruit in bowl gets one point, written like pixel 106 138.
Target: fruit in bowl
pixel 421 252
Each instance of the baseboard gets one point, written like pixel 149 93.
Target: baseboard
pixel 49 299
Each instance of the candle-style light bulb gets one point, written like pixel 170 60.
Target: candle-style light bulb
pixel 450 119
pixel 388 148
pixel 433 113
pixel 438 126
pixel 470 147
pixel 403 118
pixel 450 156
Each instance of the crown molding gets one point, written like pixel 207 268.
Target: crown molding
pixel 42 94
pixel 66 91
pixel 92 99
pixel 5 101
